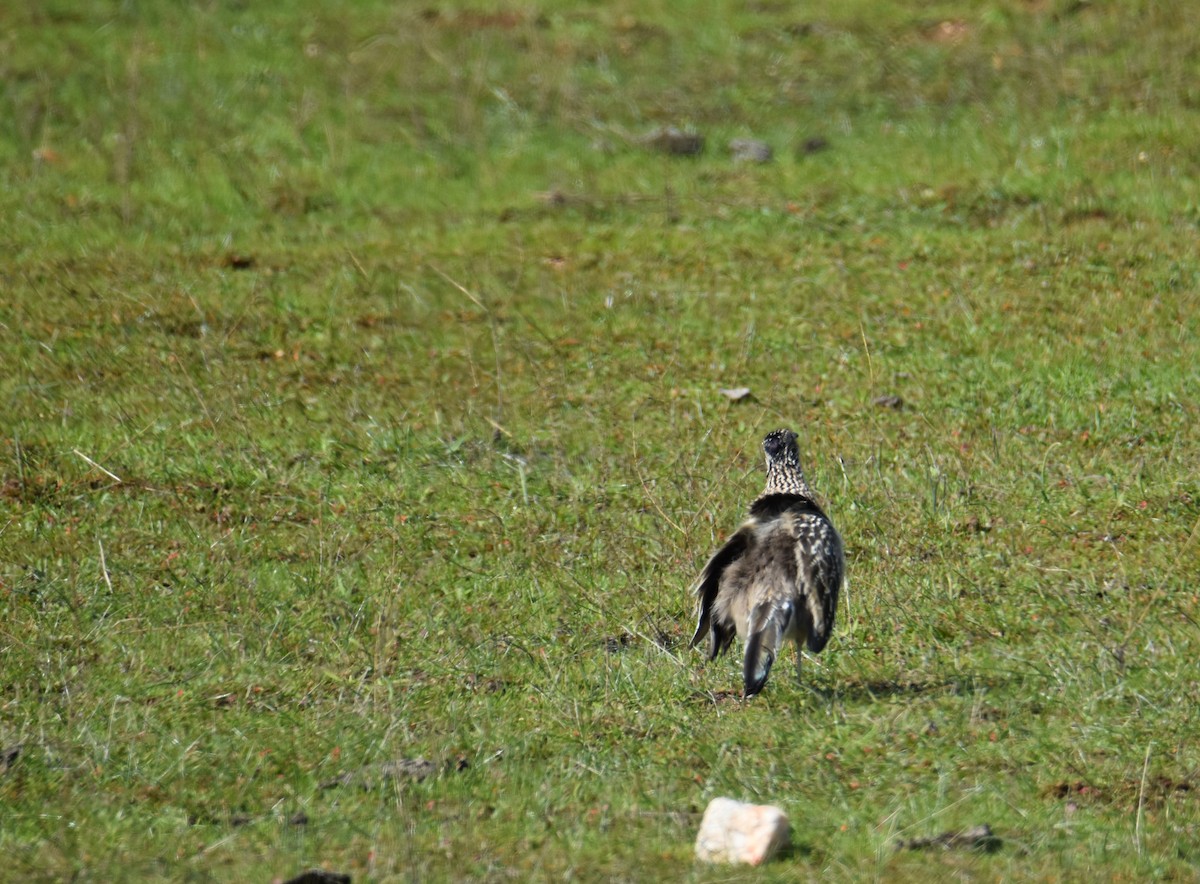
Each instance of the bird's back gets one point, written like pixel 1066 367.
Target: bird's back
pixel 793 554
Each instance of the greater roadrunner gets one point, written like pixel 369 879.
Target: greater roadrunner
pixel 778 577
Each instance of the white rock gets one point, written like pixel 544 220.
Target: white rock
pixel 736 832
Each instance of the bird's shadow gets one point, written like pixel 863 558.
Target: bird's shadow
pixel 862 692
pixel 855 693
pixel 869 691
pixel 794 851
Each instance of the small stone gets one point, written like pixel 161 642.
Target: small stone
pixel 739 833
pixel 751 150
pixel 976 838
pixel 618 643
pixel 813 145
pixel 675 141
pixel 735 393
pixel 407 768
pixel 236 261
pixel 416 769
pixel 9 756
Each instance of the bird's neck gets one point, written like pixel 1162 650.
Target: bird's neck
pixel 785 479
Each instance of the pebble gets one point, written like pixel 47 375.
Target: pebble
pixel 675 141
pixel 750 150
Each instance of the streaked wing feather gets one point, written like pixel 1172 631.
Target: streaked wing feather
pixel 820 568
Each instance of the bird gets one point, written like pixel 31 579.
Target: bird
pixel 777 577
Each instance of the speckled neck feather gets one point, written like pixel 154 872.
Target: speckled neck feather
pixel 784 475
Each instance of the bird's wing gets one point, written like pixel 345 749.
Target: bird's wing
pixel 820 566
pixel 709 582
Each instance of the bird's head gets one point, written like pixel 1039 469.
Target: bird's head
pixel 784 475
pixel 781 449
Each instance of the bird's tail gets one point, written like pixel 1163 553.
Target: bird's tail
pixel 769 623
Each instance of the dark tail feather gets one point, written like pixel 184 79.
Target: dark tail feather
pixel 768 623
pixel 720 638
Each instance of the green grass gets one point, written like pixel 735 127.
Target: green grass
pixel 359 379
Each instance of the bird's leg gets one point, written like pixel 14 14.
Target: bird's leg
pixel 799 663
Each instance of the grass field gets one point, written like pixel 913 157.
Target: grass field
pixel 360 370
